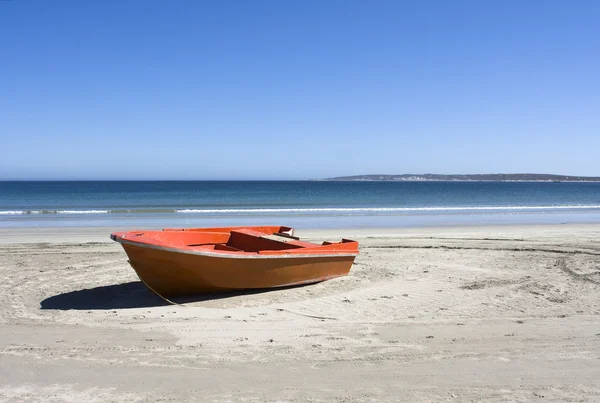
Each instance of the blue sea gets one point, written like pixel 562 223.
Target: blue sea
pixel 302 204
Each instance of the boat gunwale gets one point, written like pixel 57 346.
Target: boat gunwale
pixel 228 255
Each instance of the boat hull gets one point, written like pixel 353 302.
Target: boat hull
pixel 172 273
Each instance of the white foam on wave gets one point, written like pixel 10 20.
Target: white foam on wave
pixel 383 209
pixel 341 210
pixel 26 212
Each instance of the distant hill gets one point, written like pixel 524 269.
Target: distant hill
pixel 468 178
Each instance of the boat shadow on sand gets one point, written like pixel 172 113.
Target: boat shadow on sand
pixel 127 295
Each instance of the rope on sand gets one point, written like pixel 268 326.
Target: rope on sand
pixel 185 306
pixel 308 316
pixel 153 290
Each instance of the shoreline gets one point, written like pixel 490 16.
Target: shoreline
pixel 17 235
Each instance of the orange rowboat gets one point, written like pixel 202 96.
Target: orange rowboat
pixel 182 262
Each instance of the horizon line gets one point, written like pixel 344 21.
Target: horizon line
pixel 333 178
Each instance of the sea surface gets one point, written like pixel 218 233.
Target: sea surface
pixel 302 204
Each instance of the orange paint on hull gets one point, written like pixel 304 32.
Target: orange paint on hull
pixel 178 262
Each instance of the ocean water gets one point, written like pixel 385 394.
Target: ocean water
pixel 303 204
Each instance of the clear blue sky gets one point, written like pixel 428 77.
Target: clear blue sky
pixel 301 89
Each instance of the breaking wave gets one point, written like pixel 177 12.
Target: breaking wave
pixel 331 210
pixel 27 212
pixel 381 209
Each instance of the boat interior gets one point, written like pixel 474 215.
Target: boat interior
pixel 263 240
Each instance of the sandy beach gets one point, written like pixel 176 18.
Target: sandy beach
pixel 508 313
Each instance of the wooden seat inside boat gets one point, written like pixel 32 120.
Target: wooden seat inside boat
pixel 253 241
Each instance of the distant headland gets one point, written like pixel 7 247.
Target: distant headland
pixel 469 178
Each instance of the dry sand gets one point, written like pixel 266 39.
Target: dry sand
pixel 454 314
